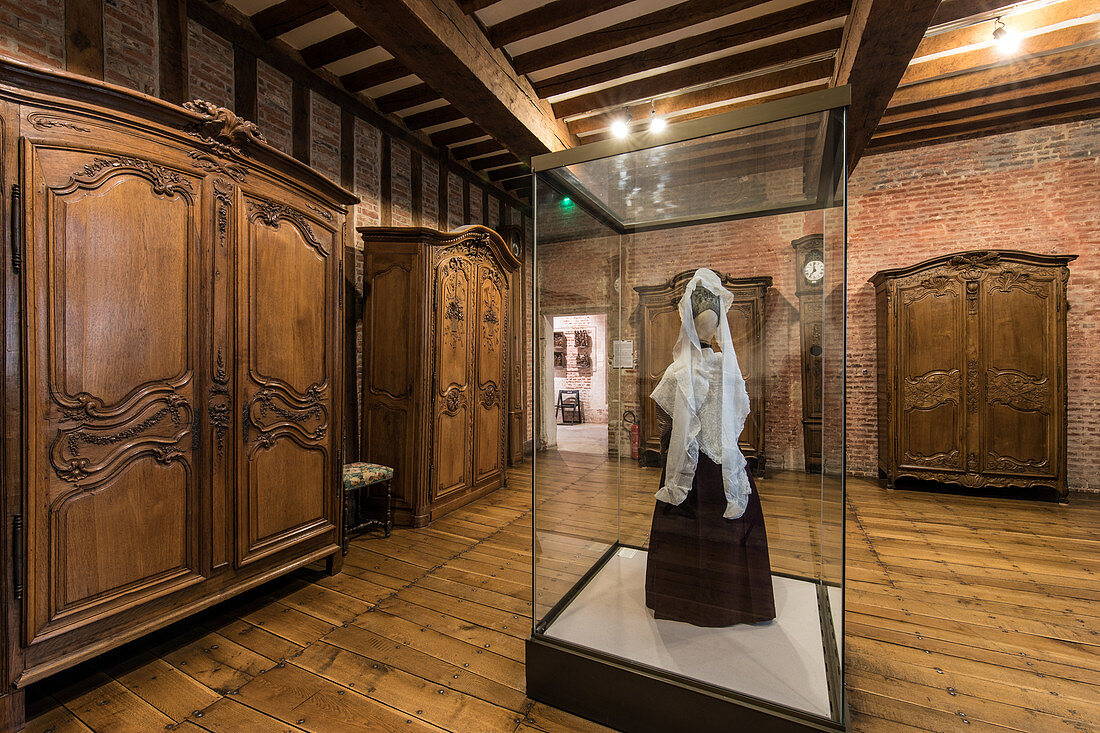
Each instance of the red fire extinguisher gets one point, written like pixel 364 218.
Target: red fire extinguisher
pixel 635 433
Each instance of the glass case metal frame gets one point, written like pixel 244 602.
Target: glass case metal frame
pixel 621 692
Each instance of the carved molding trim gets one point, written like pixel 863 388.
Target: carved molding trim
pixel 46 122
pixel 223 192
pixel 997 461
pixel 323 213
pixel 1008 280
pixel 454 399
pixel 1018 390
pixel 972 369
pixel 940 285
pixel 223 125
pixel 933 389
pixel 490 395
pixel 207 162
pixel 166 182
pixel 272 212
pixel 971 266
pixel 938 460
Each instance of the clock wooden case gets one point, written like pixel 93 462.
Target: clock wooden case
pixel 172 293
pixel 810 274
pixel 659 321
pixel 971 355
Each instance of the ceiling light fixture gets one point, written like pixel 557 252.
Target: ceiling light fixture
pixel 620 127
pixel 1007 41
pixel 656 124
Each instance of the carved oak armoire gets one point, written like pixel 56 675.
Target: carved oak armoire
pixel 172 341
pixel 971 358
pixel 659 327
pixel 436 349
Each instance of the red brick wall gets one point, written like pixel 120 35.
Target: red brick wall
pixel 210 65
pixel 429 186
pixel 324 149
pixel 456 193
pixel 476 201
pixel 33 30
pixel 400 184
pixel 493 217
pixel 368 156
pixel 1036 190
pixel 130 44
pixel 274 91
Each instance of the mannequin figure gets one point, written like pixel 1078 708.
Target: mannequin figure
pixel 708 561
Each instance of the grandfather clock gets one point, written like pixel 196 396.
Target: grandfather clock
pixel 514 237
pixel 810 273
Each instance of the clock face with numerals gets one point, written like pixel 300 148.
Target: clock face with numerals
pixel 516 245
pixel 814 270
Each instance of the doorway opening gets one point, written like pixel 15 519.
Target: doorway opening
pixel 578 398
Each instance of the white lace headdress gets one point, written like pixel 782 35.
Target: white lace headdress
pixel 682 393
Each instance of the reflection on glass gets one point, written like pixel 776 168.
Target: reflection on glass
pixel 690 303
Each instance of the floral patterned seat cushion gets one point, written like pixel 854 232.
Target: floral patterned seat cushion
pixel 365 474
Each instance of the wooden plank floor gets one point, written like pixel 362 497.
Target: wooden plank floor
pixel 962 614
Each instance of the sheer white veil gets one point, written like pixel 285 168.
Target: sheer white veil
pixel 691 388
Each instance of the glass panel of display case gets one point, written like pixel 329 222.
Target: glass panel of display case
pixel 690 530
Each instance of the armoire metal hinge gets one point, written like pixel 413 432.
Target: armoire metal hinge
pixel 340 289
pixel 431 483
pixel 16 228
pixel 17 571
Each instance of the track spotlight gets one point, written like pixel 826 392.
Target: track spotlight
pixel 1007 41
pixel 620 127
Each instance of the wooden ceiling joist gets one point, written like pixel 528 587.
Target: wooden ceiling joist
pixel 472 6
pixel 546 18
pixel 406 98
pixel 457 134
pixel 512 171
pixel 647 26
pixel 784 21
pixel 1021 72
pixel 493 161
pixel 727 66
pixel 448 50
pixel 432 117
pixel 340 46
pixel 473 150
pixel 380 73
pixel 950 11
pixel 288 15
pixel 880 37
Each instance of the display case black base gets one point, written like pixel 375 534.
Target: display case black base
pixel 640 700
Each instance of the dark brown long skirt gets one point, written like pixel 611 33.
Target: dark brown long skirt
pixel 706 570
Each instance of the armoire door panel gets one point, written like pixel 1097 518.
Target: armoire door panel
pixel 112 341
pixel 386 430
pixel 1018 314
pixel 931 376
pixel 390 360
pixel 661 331
pixel 742 318
pixel 288 344
pixel 455 311
pixel 491 358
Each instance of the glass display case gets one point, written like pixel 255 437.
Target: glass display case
pixel 688 415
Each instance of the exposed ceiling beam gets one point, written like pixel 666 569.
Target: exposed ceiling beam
pixel 880 37
pixel 647 26
pixel 453 135
pixel 493 161
pixel 473 150
pixel 380 73
pixel 546 18
pixel 447 49
pixel 994 125
pixel 288 15
pixel 435 116
pixel 1056 94
pixel 727 66
pixel 1045 43
pixel 951 10
pixel 1022 71
pixel 405 98
pixel 751 86
pixel 338 47
pixel 980 32
pixel 511 171
pixel 773 24
pixel 470 6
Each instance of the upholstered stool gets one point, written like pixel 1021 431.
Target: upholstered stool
pixel 360 479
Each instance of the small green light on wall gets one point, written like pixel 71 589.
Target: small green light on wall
pixel 567 203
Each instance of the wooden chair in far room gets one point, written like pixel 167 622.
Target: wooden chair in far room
pixel 570 407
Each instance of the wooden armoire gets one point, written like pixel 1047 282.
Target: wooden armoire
pixel 658 329
pixel 172 346
pixel 971 352
pixel 436 346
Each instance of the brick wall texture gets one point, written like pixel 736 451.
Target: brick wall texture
pixel 400 184
pixel 456 193
pixel 274 91
pixel 324 150
pixel 33 30
pixel 368 174
pixel 210 66
pixel 130 36
pixel 429 186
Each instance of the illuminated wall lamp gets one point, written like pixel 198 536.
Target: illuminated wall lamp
pixel 1007 41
